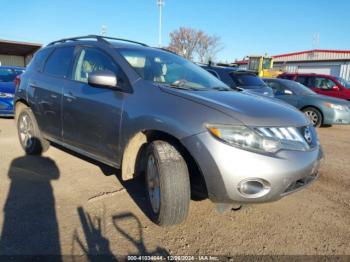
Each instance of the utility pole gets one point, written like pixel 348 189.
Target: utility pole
pixel 160 4
pixel 103 30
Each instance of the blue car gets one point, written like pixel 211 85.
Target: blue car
pixel 8 75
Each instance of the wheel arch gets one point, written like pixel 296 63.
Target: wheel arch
pixel 133 162
pixel 20 103
pixel 315 107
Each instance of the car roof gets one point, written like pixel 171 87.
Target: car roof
pixel 277 80
pixel 12 67
pixel 230 69
pixel 110 44
pixel 217 68
pixel 97 40
pixel 305 74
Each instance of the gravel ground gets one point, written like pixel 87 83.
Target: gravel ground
pixel 62 204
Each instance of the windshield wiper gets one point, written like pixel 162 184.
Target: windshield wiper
pixel 181 84
pixel 221 88
pixel 238 88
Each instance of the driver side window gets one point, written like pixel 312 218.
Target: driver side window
pixel 324 83
pixel 92 60
pixel 277 88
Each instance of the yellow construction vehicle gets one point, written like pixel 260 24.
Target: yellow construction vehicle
pixel 262 65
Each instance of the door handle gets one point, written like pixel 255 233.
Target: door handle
pixel 33 85
pixel 69 96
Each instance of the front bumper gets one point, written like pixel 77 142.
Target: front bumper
pixel 6 107
pixel 337 117
pixel 224 167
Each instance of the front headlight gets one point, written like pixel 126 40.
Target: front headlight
pixel 6 95
pixel 266 140
pixel 335 106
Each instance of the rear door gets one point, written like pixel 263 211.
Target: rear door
pixel 91 115
pixel 46 88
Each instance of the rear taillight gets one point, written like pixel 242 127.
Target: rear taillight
pixel 17 81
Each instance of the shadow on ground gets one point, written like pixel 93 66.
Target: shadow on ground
pixel 95 246
pixel 30 224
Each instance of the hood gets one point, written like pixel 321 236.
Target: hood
pixel 7 87
pixel 251 110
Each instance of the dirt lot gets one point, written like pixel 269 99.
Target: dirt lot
pixel 63 204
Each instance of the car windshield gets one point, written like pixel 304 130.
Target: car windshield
pixel 166 68
pixel 8 74
pixel 248 81
pixel 343 82
pixel 297 88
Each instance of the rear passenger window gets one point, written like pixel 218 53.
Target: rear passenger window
pixel 303 80
pixel 59 61
pixel 39 59
pixel 286 77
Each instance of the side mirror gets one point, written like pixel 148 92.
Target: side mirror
pixel 103 79
pixel 288 92
pixel 335 88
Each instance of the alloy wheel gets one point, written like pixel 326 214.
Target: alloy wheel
pixel 26 130
pixel 312 116
pixel 153 183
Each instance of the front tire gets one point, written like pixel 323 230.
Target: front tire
pixel 314 115
pixel 29 134
pixel 167 183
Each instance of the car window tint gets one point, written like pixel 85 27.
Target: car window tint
pixel 286 77
pixel 59 61
pixel 249 81
pixel 302 80
pixel 93 60
pixel 39 59
pixel 277 88
pixel 323 83
pixel 213 73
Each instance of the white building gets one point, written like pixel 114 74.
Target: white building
pixel 330 62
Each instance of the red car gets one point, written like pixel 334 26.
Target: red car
pixel 322 84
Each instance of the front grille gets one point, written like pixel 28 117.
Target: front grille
pixel 306 135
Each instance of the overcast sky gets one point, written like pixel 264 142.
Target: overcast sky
pixel 245 27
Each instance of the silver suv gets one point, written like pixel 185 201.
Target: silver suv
pixel 149 111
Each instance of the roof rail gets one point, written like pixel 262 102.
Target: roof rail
pixel 97 37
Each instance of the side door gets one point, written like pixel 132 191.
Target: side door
pixel 324 86
pixel 46 88
pixel 92 115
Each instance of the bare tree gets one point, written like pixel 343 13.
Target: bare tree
pixel 183 42
pixel 208 47
pixel 191 43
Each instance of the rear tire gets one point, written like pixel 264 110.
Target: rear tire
pixel 167 183
pixel 314 115
pixel 29 134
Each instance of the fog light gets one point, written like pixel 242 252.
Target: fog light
pixel 254 187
